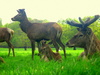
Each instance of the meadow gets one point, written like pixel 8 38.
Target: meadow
pixel 22 64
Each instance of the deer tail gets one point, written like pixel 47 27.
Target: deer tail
pixel 59 33
pixel 11 32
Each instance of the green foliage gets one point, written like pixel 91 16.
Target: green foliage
pixel 37 21
pixel 68 31
pixel 96 28
pixel 0 22
pixel 20 39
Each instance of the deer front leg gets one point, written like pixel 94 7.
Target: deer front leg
pixel 33 48
pixel 39 46
pixel 82 56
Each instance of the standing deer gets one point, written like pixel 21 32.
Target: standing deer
pixel 39 31
pixel 85 38
pixel 5 36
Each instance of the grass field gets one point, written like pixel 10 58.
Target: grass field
pixel 22 64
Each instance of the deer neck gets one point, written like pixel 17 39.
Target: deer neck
pixel 49 51
pixel 24 25
pixel 92 45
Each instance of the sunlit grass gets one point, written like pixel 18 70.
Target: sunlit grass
pixel 23 64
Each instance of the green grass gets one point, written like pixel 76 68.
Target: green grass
pixel 22 64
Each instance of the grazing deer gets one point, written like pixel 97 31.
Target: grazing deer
pixel 5 36
pixel 47 53
pixel 2 60
pixel 39 31
pixel 85 38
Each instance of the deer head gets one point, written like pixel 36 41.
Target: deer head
pixel 84 36
pixel 20 16
pixel 43 46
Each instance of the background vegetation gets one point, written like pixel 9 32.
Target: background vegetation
pixel 20 38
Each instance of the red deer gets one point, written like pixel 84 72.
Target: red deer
pixel 85 38
pixel 47 53
pixel 2 60
pixel 39 31
pixel 5 36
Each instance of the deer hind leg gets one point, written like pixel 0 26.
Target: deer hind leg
pixel 9 51
pixel 62 46
pixel 10 47
pixel 55 45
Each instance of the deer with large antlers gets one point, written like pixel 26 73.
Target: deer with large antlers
pixel 85 38
pixel 39 31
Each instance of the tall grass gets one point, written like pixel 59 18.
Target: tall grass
pixel 22 64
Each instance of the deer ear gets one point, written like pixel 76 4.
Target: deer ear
pixel 89 31
pixel 18 11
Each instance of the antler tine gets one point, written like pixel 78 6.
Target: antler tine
pixel 92 20
pixel 88 19
pixel 81 21
pixel 72 23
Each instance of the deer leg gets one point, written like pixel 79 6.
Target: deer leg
pixel 39 46
pixel 55 45
pixel 33 48
pixel 10 47
pixel 9 52
pixel 62 46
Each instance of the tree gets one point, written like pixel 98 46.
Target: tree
pixel 20 39
pixel 0 22
pixel 37 21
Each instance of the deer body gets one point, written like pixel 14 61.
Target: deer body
pixel 48 54
pixel 39 31
pixel 85 38
pixel 43 31
pixel 5 36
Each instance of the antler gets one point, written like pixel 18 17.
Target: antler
pixel 92 20
pixel 81 21
pixel 73 23
pixel 83 24
pixel 88 19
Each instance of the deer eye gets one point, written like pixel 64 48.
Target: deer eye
pixel 80 35
pixel 75 36
pixel 19 15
